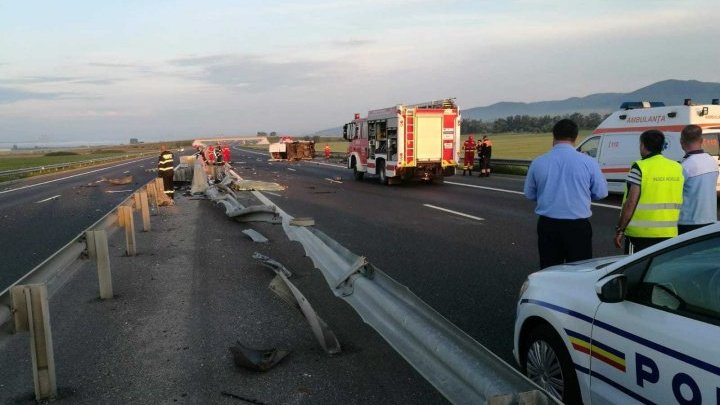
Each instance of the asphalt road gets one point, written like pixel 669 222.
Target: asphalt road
pixel 41 214
pixel 468 264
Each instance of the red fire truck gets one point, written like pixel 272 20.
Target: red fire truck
pixel 405 142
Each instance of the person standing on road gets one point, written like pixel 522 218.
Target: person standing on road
pixel 226 154
pixel 563 182
pixel 469 158
pixel 484 152
pixel 166 170
pixel 654 195
pixel 699 206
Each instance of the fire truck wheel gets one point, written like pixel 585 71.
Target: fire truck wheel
pixel 358 175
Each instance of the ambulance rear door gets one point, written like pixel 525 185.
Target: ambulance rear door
pixel 618 152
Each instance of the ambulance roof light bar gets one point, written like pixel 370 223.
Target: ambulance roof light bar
pixel 631 105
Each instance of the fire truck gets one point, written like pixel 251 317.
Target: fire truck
pixel 405 142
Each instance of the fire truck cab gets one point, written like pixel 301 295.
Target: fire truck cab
pixel 405 141
pixel 615 143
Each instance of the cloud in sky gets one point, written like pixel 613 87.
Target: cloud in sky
pixel 185 68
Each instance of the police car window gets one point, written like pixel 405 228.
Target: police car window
pixel 685 280
pixel 590 146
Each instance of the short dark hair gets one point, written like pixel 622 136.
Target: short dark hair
pixel 565 130
pixel 653 140
pixel 691 134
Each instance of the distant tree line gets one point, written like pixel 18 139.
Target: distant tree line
pixel 527 123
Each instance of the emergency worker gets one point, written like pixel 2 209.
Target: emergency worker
pixel 226 153
pixel 654 195
pixel 327 152
pixel 210 160
pixel 166 164
pixel 699 206
pixel 469 158
pixel 484 152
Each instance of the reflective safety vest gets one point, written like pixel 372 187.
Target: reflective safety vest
pixel 166 161
pixel 661 189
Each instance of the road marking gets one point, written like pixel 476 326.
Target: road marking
pixel 333 181
pixel 47 199
pixel 271 193
pixel 126 171
pixel 520 192
pixel 70 177
pixel 118 191
pixel 454 212
pixel 291 169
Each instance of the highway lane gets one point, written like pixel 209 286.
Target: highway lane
pixel 468 267
pixel 39 215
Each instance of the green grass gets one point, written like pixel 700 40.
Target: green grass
pixel 524 146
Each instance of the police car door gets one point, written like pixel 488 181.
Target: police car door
pixel 662 344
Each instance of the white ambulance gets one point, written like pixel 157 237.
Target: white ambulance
pixel 615 143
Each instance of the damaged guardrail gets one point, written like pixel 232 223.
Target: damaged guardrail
pixel 24 304
pixel 462 369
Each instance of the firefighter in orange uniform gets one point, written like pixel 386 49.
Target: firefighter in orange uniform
pixel 327 152
pixel 469 159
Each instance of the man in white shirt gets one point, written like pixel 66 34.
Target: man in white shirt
pixel 700 170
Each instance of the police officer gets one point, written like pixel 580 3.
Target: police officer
pixel 166 164
pixel 469 158
pixel 654 195
pixel 484 153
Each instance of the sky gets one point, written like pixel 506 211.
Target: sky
pixel 161 70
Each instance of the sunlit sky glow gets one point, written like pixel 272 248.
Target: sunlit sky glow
pixel 84 70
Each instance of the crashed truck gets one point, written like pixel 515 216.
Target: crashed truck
pixel 404 142
pixel 286 148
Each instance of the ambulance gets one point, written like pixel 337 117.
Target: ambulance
pixel 615 143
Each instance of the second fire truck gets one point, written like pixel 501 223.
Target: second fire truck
pixel 405 142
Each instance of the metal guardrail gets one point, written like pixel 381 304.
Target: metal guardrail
pixel 510 162
pixel 462 369
pixel 58 268
pixel 68 165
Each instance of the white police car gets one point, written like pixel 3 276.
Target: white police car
pixel 643 328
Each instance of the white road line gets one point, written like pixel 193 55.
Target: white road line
pixel 333 181
pixel 118 191
pixel 615 207
pixel 454 212
pixel 47 199
pixel 271 193
pixel 291 169
pixel 70 177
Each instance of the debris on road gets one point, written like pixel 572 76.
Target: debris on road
pixel 248 400
pixel 255 236
pixel 256 359
pixel 302 221
pixel 250 185
pixel 120 181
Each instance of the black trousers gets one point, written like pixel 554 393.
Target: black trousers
pixel 687 228
pixel 167 177
pixel 563 240
pixel 639 244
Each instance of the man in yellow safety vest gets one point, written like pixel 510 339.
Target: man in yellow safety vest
pixel 166 166
pixel 654 195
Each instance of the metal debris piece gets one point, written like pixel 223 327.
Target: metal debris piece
pixel 248 185
pixel 272 264
pixel 120 181
pixel 248 400
pixel 302 221
pixel 256 359
pixel 285 289
pixel 255 236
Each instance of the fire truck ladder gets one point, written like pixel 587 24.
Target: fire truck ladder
pixel 410 135
pixel 444 103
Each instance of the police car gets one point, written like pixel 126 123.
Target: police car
pixel 643 328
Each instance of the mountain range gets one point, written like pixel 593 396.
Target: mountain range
pixel 671 92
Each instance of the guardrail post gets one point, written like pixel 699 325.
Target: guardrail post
pixel 136 198
pixel 159 189
pixel 30 304
pixel 98 249
pixel 127 221
pixel 145 210
pixel 152 196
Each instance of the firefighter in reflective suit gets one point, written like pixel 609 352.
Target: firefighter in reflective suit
pixel 469 159
pixel 166 164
